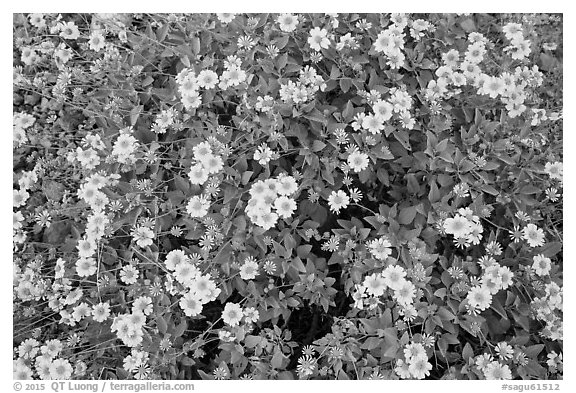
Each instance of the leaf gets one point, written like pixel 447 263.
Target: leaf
pixel 318 146
pixel 551 249
pixel 161 323
pixel 407 215
pixel 181 328
pixel 467 352
pixel 135 114
pixel 345 84
pixel 277 360
pixel 533 350
pixel 489 189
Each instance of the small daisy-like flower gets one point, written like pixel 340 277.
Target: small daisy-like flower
pixel 306 365
pixel 375 284
pixel 101 311
pixel 285 206
pixel 380 248
pixel 198 206
pixel 358 161
pixel 541 265
pixel 338 200
pixel 129 274
pixel 533 235
pixel 287 22
pixel 232 314
pixel 554 169
pixel 479 298
pixel 420 368
pixel 269 267
pixel 191 304
pixel 318 39
pixel 552 194
pixel 69 31
pixel 504 351
pixel 143 236
pixel 394 277
pixel 207 79
pixel 497 371
pixel 249 269
pixel 516 234
pixel 61 369
pixel 225 17
pixel 198 174
pixel 458 226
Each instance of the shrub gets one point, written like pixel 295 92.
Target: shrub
pixel 339 196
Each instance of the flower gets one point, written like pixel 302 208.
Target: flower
pixel 249 269
pixel 504 351
pixel 207 79
pixel 286 185
pixel 479 297
pixel 541 265
pixel 284 206
pixel 191 304
pixel 358 161
pixel 143 236
pixel 338 200
pixel 86 267
pixel 69 31
pixel 496 370
pixel 198 206
pixel 142 304
pixel 402 369
pixel 174 258
pixel 225 18
pixel 382 110
pixel 96 41
pixel 61 369
pixel 458 226
pixel 101 311
pixel 306 365
pixel 533 235
pixel 287 22
pixel 380 248
pixel 374 284
pixel 394 276
pixel 554 169
pixel 318 39
pixel 420 368
pixel 129 274
pixel 198 174
pixel 232 314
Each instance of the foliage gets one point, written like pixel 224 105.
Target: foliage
pixel 339 196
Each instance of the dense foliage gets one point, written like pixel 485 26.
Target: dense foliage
pixel 311 196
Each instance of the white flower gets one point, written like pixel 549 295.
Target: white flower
pixel 232 314
pixel 458 226
pixel 225 17
pixel 191 304
pixel 318 39
pixel 143 236
pixel 554 169
pixel 101 311
pixel 97 41
pixel 479 298
pixel 198 206
pixel 375 285
pixel 358 161
pixel 174 258
pixel 338 200
pixel 207 79
pixel 287 22
pixel 284 206
pixel 380 248
pixel 394 276
pixel 263 154
pixel 286 185
pixel 129 274
pixel 198 174
pixel 541 265
pixel 383 110
pixel 533 235
pixel 249 270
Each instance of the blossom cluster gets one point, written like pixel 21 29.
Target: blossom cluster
pixel 271 199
